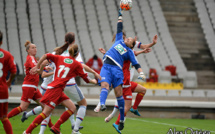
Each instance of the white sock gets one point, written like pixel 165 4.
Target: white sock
pixel 98 104
pixel 80 117
pixel 44 124
pixel 71 118
pixel 115 109
pixel 35 111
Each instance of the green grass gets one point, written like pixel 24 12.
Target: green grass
pixel 96 125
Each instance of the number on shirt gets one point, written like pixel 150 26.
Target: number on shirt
pixel 62 67
pixel 1 71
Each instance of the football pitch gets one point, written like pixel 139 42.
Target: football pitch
pixel 96 125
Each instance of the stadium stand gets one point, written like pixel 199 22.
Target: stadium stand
pixel 205 12
pixel 186 28
pixel 45 22
pixel 173 93
pixel 199 93
pixel 186 93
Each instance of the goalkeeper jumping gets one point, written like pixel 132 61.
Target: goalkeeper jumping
pixel 111 71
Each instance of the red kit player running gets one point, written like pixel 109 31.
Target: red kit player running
pixel 66 68
pixel 29 86
pixel 6 64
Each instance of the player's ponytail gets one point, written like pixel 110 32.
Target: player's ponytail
pixel 73 50
pixel 27 45
pixel 69 39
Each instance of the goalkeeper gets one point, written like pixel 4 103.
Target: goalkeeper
pixel 111 71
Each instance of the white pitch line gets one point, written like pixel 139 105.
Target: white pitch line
pixel 166 124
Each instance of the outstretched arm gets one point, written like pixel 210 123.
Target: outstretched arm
pixel 119 35
pixel 154 41
pixel 88 69
pixel 146 50
pixel 102 50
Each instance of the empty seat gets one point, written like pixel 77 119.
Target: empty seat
pixel 164 77
pixel 198 93
pixel 186 93
pixel 173 93
pixel 160 92
pixel 210 93
pixel 149 93
pixel 190 79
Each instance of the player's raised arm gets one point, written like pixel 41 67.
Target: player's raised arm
pixel 102 50
pixel 146 50
pixel 119 34
pixel 143 46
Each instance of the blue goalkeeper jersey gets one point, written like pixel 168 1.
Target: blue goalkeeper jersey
pixel 119 52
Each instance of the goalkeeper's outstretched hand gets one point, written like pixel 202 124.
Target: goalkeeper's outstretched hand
pixel 120 12
pixel 142 76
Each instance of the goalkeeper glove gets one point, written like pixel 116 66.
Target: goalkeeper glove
pixel 120 14
pixel 142 76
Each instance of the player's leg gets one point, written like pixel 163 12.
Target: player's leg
pixel 36 97
pixel 44 124
pixel 127 107
pixel 121 103
pixel 97 109
pixel 34 111
pixel 105 84
pixel 65 116
pixel 140 94
pixel 103 95
pixel 80 114
pixel 115 109
pixel 23 106
pixel 76 95
pixel 3 117
pixel 46 112
pixel 7 125
pixel 27 95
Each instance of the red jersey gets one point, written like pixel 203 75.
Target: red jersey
pixel 66 68
pixel 6 64
pixel 30 80
pixel 126 73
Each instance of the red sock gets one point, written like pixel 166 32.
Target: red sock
pixel 50 123
pixel 65 116
pixel 138 99
pixel 36 122
pixel 118 119
pixel 14 112
pixel 7 126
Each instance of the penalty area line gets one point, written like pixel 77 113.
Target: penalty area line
pixel 167 124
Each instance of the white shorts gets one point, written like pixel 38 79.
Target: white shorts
pixel 42 91
pixel 74 93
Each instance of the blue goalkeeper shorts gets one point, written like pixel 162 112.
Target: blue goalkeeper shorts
pixel 112 75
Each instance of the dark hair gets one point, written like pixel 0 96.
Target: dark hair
pixel 1 36
pixel 95 57
pixel 114 36
pixel 133 44
pixel 69 38
pixel 73 50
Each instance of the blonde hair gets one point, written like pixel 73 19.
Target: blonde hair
pixel 27 45
pixel 73 50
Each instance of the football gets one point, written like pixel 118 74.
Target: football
pixel 126 4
